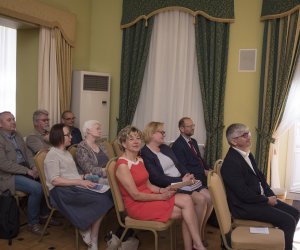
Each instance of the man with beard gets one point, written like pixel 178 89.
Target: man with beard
pixel 187 151
pixel 248 194
pixel 39 138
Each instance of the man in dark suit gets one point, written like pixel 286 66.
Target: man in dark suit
pixel 68 118
pixel 187 151
pixel 248 194
pixel 188 154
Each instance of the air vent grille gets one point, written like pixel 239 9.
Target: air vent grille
pixel 95 83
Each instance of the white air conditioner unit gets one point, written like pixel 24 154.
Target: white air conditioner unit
pixel 91 99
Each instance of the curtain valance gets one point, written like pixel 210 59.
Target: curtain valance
pixel 35 12
pixel 214 10
pixel 272 9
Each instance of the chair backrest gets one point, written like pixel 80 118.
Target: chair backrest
pixel 117 148
pixel 72 149
pixel 218 195
pixel 114 187
pixel 39 163
pixel 218 166
pixel 109 149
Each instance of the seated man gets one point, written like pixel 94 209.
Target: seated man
pixel 248 194
pixel 17 171
pixel 68 119
pixel 187 151
pixel 39 138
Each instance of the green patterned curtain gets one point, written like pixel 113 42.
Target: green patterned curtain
pixel 212 41
pixel 279 57
pixel 137 23
pixel 136 43
pixel 217 10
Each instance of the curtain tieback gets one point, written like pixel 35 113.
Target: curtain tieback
pixel 265 136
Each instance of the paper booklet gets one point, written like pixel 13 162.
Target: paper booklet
pixel 186 185
pixel 259 230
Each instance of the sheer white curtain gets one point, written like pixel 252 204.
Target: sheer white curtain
pixel 8 43
pixel 48 91
pixel 290 118
pixel 170 87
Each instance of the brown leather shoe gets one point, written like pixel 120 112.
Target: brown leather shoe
pixel 36 229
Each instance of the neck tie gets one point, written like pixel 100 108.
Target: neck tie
pixel 193 148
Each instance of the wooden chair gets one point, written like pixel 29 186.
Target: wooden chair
pixel 117 148
pixel 39 163
pixel 236 236
pixel 127 222
pixel 109 148
pixel 72 149
pixel 239 222
pixel 21 195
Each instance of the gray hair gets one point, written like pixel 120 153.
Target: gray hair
pixel 3 113
pixel 88 125
pixel 235 130
pixel 36 115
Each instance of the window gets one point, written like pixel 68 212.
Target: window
pixel 8 43
pixel 171 79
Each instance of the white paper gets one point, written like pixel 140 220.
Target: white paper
pixel 259 230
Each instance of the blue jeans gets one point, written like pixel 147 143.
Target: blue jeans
pixel 35 196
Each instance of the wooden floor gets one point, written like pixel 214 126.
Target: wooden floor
pixel 63 238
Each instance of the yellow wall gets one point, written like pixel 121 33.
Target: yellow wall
pixel 98 48
pixel 105 52
pixel 242 89
pixel 27 64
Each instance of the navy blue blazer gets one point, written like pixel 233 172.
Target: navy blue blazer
pixel 242 184
pixel 194 163
pixel 155 170
pixel 76 135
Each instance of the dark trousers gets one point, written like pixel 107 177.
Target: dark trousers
pixel 281 215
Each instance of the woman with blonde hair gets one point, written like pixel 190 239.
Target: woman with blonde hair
pixel 146 201
pixel 164 169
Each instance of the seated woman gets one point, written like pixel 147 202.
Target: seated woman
pixel 92 156
pixel 70 193
pixel 145 201
pixel 164 169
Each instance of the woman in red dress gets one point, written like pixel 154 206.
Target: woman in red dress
pixel 148 202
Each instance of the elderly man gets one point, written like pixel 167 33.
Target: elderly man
pixel 68 119
pixel 39 138
pixel 248 194
pixel 17 170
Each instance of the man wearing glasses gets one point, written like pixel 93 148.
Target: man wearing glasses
pixel 248 194
pixel 39 138
pixel 187 151
pixel 68 119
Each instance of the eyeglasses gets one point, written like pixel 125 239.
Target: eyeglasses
pixel 44 120
pixel 244 135
pixel 190 126
pixel 70 118
pixel 68 134
pixel 163 133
